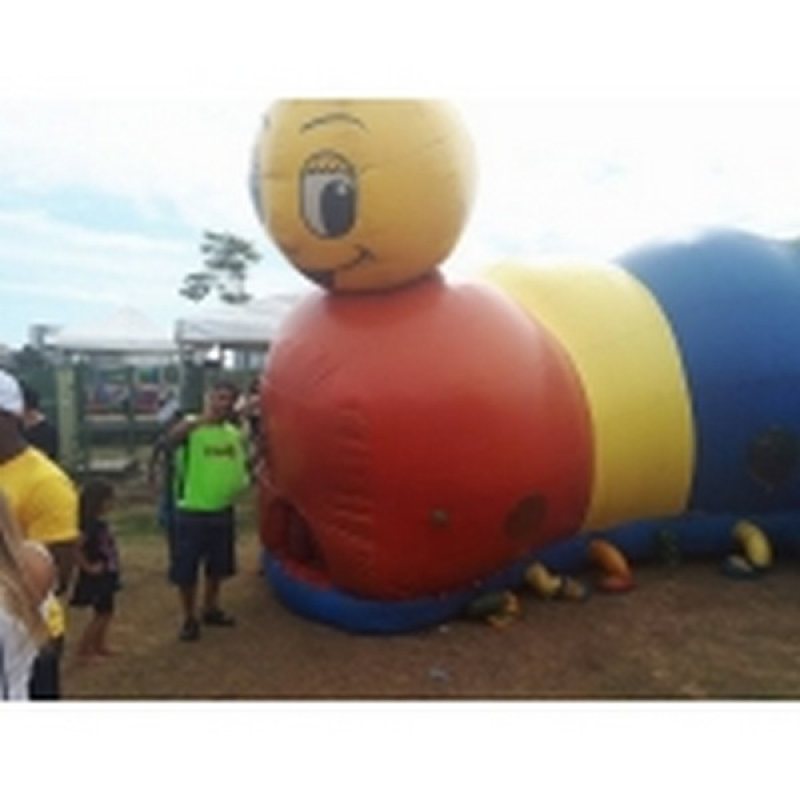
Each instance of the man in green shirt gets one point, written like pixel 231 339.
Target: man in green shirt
pixel 210 472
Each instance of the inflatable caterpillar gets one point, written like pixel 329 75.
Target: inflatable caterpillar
pixel 430 440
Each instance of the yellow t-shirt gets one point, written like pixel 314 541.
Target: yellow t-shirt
pixel 45 504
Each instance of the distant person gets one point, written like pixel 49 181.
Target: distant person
pixel 44 504
pixel 161 474
pixel 210 473
pixel 38 430
pixel 250 416
pixel 27 574
pixel 98 567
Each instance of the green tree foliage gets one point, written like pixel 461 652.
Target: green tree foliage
pixel 227 260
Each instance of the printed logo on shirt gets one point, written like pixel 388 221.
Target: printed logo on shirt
pixel 220 451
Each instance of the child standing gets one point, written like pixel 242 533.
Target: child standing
pixel 98 566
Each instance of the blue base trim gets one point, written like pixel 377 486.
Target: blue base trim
pixel 356 614
pixel 694 535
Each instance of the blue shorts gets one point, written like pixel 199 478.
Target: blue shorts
pixel 202 537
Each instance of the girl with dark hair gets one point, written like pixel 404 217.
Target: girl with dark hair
pixel 98 567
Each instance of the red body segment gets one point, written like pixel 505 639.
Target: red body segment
pixel 419 439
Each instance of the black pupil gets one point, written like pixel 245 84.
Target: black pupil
pixel 338 207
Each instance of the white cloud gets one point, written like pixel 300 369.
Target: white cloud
pixel 594 178
pixel 81 259
pixel 58 273
pixel 613 126
pixel 194 154
pixel 165 157
pixel 581 176
pixel 582 173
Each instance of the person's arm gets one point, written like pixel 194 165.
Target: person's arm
pixel 244 460
pixel 39 570
pixel 33 558
pixel 158 455
pixel 180 432
pixel 83 561
pixel 64 555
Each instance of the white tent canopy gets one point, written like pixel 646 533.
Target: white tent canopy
pixel 125 330
pixel 252 324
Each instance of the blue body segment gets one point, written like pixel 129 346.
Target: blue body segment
pixel 733 300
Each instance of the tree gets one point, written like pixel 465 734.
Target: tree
pixel 227 259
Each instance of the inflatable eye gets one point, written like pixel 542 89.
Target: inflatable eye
pixel 328 195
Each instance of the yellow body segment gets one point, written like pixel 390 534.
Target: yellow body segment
pixel 626 356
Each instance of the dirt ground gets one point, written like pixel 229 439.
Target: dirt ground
pixel 684 632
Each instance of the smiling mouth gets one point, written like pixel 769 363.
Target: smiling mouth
pixel 327 277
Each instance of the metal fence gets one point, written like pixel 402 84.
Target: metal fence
pixel 109 415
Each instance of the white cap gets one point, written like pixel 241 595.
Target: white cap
pixel 10 394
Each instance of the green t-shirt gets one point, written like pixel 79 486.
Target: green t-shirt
pixel 210 468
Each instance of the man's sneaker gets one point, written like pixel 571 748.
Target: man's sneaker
pixel 217 617
pixel 190 631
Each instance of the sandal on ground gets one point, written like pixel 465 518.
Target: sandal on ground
pixel 216 616
pixel 190 631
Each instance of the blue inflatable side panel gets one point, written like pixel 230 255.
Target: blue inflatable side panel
pixel 733 301
pixel 359 615
pixel 693 535
pixel 355 614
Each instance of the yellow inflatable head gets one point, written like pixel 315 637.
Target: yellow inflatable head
pixel 362 195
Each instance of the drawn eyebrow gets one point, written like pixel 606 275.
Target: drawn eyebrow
pixel 335 116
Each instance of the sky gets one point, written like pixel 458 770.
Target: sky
pixel 103 201
pixel 123 136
